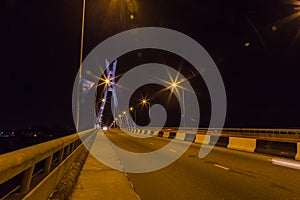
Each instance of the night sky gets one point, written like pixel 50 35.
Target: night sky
pixel 255 44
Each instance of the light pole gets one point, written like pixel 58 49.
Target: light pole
pixel 175 85
pixel 80 63
pixel 133 110
pixel 145 102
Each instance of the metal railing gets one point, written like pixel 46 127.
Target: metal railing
pixel 22 170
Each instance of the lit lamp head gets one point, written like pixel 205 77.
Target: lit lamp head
pixel 174 85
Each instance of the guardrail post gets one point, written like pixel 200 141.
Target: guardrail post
pixel 61 155
pixel 67 149
pixel 47 165
pixel 72 147
pixel 26 180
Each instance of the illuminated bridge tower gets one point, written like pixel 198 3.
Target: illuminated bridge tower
pixel 109 87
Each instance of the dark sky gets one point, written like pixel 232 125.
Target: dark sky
pixel 40 42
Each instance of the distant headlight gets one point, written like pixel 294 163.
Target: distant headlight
pixel 104 128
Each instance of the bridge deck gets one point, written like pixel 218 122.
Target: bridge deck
pixel 97 181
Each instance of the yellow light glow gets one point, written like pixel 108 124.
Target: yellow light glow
pixel 247 44
pixel 131 108
pixel 274 28
pixel 174 84
pixel 107 81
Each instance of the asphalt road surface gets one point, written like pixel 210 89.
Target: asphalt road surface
pixel 222 174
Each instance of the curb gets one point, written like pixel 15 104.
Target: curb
pixel 64 189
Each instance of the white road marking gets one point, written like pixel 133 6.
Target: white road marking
pixel 172 150
pixel 220 166
pixel 286 163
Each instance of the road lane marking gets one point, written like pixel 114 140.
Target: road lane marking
pixel 151 143
pixel 172 150
pixel 220 166
pixel 286 163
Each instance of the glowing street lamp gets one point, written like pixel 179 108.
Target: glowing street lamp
pixel 133 110
pixel 174 85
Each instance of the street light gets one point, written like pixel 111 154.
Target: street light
pixel 146 103
pixel 80 63
pixel 175 85
pixel 132 109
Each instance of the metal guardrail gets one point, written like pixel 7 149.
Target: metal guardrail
pixel 22 165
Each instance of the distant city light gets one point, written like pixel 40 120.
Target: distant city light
pixel 247 44
pixel 131 16
pixel 274 28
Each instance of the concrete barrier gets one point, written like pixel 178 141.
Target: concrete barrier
pixel 154 133
pixel 180 136
pixel 242 144
pixel 190 137
pixel 297 157
pixel 160 134
pixel 284 149
pixel 219 141
pixel 166 134
pixel 202 139
pixel 172 135
pixel 278 148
